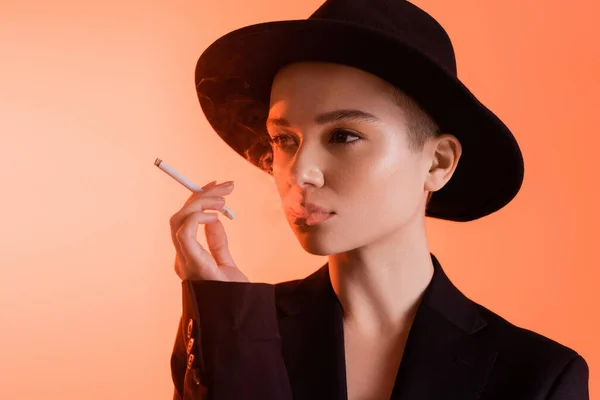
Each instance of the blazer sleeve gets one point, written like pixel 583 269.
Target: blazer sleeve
pixel 572 382
pixel 228 344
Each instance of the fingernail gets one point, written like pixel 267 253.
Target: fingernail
pixel 228 183
pixel 209 185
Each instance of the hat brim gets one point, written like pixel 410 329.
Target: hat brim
pixel 490 171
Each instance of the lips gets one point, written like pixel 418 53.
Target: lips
pixel 310 218
pixel 311 208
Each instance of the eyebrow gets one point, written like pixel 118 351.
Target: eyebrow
pixel 331 117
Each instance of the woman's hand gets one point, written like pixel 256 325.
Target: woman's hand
pixel 192 260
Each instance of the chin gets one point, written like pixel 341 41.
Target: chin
pixel 316 249
pixel 317 240
pixel 315 245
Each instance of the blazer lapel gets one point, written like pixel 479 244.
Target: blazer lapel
pixel 311 328
pixel 443 357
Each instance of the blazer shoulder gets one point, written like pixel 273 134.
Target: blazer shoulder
pixel 523 343
pixel 286 287
pixel 528 359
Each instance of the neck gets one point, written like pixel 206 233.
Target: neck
pixel 380 285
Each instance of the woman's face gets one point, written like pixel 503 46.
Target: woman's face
pixel 340 142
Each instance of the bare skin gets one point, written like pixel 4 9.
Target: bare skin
pixel 379 260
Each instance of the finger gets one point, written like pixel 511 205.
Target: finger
pixel 200 263
pixel 203 189
pixel 208 185
pixel 202 204
pixel 216 190
pixel 216 239
pixel 180 262
pixel 195 204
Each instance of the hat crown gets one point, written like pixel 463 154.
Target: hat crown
pixel 397 18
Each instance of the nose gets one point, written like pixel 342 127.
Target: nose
pixel 305 168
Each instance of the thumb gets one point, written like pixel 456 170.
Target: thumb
pixel 216 239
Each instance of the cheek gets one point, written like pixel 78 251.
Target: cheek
pixel 280 183
pixel 383 189
pixel 280 165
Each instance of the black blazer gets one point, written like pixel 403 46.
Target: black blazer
pixel 239 340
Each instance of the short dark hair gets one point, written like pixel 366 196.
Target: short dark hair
pixel 421 127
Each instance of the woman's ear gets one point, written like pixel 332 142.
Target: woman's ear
pixel 444 153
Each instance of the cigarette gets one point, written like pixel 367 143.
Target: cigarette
pixel 188 184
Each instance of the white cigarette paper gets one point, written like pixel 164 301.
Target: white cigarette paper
pixel 172 172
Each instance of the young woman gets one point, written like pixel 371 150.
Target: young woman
pixel 359 117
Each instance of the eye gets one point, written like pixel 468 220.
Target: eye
pixel 337 134
pixel 343 133
pixel 276 140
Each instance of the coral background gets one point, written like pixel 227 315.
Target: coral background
pixel 91 92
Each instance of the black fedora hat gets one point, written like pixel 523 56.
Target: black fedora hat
pixel 392 39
